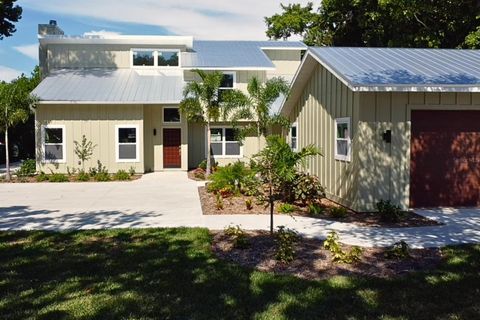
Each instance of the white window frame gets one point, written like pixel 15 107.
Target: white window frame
pixel 295 124
pixel 155 57
pixel 234 74
pixel 137 142
pixel 224 143
pixel 342 157
pixel 171 122
pixel 64 145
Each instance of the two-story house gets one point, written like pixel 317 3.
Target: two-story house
pixel 122 92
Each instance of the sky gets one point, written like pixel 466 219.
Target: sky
pixel 203 19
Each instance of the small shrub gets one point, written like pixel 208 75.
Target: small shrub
pixel 199 173
pixel 231 176
pixel 286 239
pixel 71 171
pixel 249 204
pixel 27 169
pixel 131 171
pixel 338 212
pixel 102 177
pixel 101 168
pixel 238 236
pixel 92 172
pixel 58 177
pixel 286 208
pixel 41 177
pixel 83 176
pixel 226 192
pixel 399 250
pixel 122 175
pixel 218 201
pixel 315 208
pixel 332 244
pixel 307 188
pixel 388 211
pixel 203 165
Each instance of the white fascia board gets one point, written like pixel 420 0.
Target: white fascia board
pixel 106 102
pixel 284 48
pixel 410 88
pixel 231 68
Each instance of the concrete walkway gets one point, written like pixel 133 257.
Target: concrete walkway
pixel 170 199
pixel 14 166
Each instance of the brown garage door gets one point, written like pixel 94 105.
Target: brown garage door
pixel 445 158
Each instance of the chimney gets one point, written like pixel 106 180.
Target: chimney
pixel 50 29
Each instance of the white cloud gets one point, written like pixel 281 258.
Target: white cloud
pixel 206 19
pixel 30 50
pixel 101 33
pixel 8 74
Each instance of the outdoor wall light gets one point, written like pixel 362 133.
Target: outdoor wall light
pixel 387 136
pixel 154 132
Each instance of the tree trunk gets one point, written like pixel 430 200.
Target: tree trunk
pixel 209 162
pixel 270 198
pixel 7 156
pixel 258 137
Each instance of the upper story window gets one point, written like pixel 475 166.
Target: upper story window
pixel 228 83
pixel 155 58
pixel 171 115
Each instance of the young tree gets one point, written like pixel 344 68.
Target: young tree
pixel 202 103
pixel 278 165
pixel 16 103
pixel 9 13
pixel 256 106
pixel 84 150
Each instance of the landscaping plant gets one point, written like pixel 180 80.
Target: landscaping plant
pixel 286 239
pixel 27 169
pixel 84 150
pixel 389 212
pixel 57 177
pixel 338 212
pixel 231 178
pixel 332 244
pixel 122 175
pixel 83 176
pixel 315 208
pixel 249 204
pixel 399 250
pixel 238 236
pixel 286 208
pixel 41 177
pixel 218 201
pixel 131 171
pixel 307 188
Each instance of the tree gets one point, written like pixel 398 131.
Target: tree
pixel 15 107
pixel 374 23
pixel 256 106
pixel 203 103
pixel 9 13
pixel 84 150
pixel 278 165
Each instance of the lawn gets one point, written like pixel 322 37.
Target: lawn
pixel 171 274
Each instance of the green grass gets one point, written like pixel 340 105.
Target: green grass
pixel 171 274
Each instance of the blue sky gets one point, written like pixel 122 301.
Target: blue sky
pixel 204 19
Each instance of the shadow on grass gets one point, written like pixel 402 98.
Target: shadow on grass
pixel 171 273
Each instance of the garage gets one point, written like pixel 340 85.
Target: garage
pixel 445 158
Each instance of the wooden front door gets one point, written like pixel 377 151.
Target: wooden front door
pixel 172 142
pixel 445 159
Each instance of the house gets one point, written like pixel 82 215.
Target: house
pixel 122 92
pixel 393 124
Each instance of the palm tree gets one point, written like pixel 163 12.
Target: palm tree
pixel 202 103
pixel 15 107
pixel 257 107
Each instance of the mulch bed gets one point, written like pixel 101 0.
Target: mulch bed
pixel 312 261
pixel 236 205
pixel 72 178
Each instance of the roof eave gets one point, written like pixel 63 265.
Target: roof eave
pixel 413 88
pixel 107 102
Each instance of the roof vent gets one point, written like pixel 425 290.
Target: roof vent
pixel 53 22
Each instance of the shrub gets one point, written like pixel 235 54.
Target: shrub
pixel 199 173
pixel 71 171
pixel 286 208
pixel 122 175
pixel 388 211
pixel 238 236
pixel 338 212
pixel 249 204
pixel 58 177
pixel 219 201
pixel 131 171
pixel 338 254
pixel 286 239
pixel 102 176
pixel 307 188
pixel 83 176
pixel 27 169
pixel 42 177
pixel 399 250
pixel 92 172
pixel 315 208
pixel 231 176
pixel 203 165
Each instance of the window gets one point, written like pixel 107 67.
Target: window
pixel 155 58
pixel 127 143
pixel 293 136
pixel 171 115
pixel 342 139
pixel 54 143
pixel 224 143
pixel 228 83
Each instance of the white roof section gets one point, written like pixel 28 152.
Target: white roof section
pixel 111 86
pixel 402 69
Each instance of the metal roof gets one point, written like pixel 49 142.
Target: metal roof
pixel 234 54
pixel 111 86
pixel 401 69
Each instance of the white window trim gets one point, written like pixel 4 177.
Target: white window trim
pixel 170 122
pixel 342 157
pixel 137 143
pixel 64 145
pixel 224 142
pixel 155 58
pixel 295 124
pixel 234 74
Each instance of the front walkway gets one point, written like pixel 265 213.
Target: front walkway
pixel 170 199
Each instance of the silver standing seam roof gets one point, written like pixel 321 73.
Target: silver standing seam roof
pixel 401 69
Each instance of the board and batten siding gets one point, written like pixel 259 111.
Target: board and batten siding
pixel 97 123
pixel 324 99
